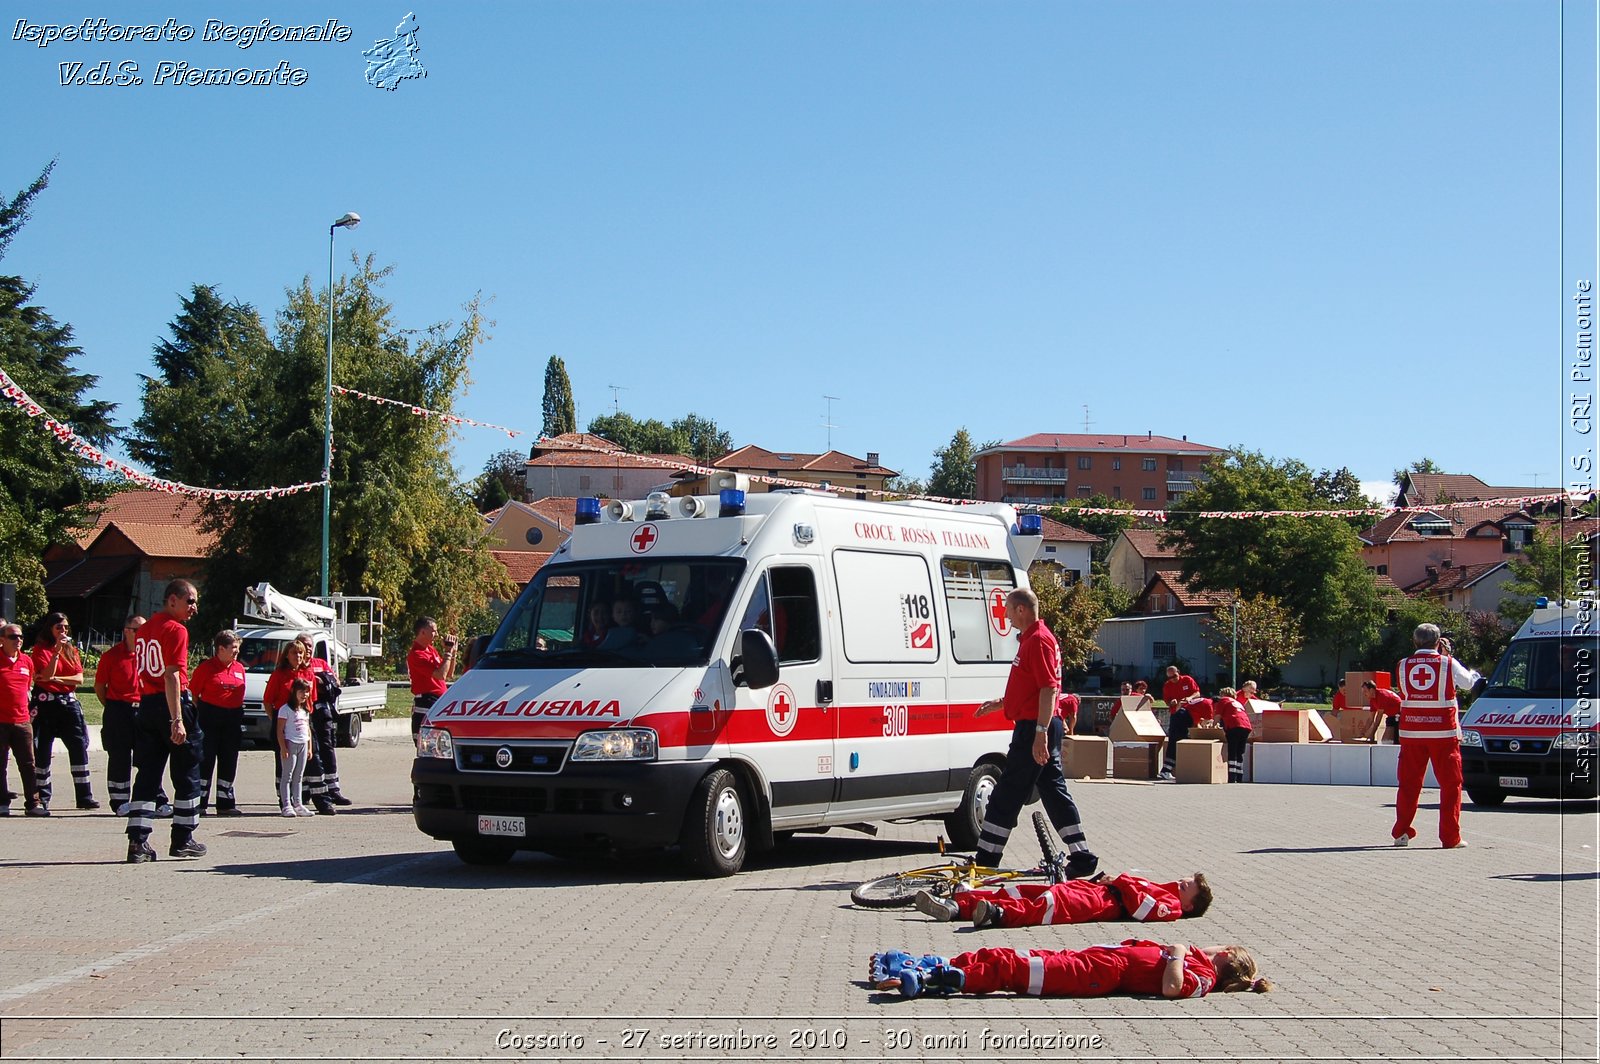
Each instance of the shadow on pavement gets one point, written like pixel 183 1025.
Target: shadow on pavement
pixel 1331 849
pixel 1550 877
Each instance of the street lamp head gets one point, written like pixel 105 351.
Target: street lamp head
pixel 349 220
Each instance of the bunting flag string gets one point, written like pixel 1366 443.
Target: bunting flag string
pixel 424 412
pixel 13 391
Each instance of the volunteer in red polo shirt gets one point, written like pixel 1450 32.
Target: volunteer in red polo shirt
pixel 116 684
pixel 218 688
pixel 429 670
pixel 1382 700
pixel 1034 759
pixel 1180 692
pixel 168 729
pixel 57 713
pixel 16 730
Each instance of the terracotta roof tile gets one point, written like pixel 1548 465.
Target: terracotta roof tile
pixel 521 565
pixel 166 541
pixel 1453 577
pixel 1146 543
pixel 144 507
pixel 761 460
pixel 1459 487
pixel 614 460
pixel 1057 532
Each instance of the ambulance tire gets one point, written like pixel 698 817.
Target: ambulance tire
pixel 477 852
pixel 1486 796
pixel 964 824
pixel 716 832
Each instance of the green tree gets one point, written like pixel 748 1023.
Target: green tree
pixel 1351 611
pixel 1073 613
pixel 691 435
pixel 1396 641
pixel 704 442
pixel 902 486
pixel 955 469
pixel 1292 559
pixel 209 383
pixel 46 491
pixel 504 478
pixel 401 528
pixel 560 410
pixel 1421 465
pixel 1269 635
pixel 1546 567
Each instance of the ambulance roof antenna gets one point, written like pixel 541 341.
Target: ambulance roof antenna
pixel 827 422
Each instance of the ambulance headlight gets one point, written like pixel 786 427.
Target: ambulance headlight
pixel 435 742
pixel 620 744
pixel 1470 737
pixel 1576 740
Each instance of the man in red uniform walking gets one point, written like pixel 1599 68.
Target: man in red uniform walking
pixel 1034 758
pixel 168 728
pixel 16 728
pixel 116 684
pixel 1430 733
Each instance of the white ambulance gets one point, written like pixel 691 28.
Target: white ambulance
pixel 716 671
pixel 1533 730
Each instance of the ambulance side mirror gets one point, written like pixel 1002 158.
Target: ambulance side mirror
pixel 756 665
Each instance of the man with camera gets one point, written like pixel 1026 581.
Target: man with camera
pixel 1430 734
pixel 429 670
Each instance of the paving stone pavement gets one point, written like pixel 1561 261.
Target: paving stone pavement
pixel 356 937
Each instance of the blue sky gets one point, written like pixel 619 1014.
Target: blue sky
pixel 1328 231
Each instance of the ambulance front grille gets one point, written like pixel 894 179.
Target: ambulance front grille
pixel 534 800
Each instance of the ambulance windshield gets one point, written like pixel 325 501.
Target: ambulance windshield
pixel 625 614
pixel 1546 668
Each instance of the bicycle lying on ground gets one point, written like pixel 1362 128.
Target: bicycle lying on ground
pixel 941 880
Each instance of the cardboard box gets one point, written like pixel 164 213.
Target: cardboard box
pixel 1284 726
pixel 1355 695
pixel 1086 757
pixel 1137 726
pixel 1317 730
pixel 1201 761
pixel 1136 760
pixel 1359 726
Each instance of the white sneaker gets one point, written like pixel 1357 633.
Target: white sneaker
pixel 1403 840
pixel 1460 845
pixel 301 810
pixel 937 908
pixel 287 811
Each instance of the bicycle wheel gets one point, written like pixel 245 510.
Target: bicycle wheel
pixel 1052 860
pixel 898 889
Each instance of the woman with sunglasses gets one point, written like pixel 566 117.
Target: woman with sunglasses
pixel 57 713
pixel 16 729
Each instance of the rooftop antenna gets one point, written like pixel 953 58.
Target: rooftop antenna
pixel 1086 421
pixel 1535 477
pixel 616 407
pixel 828 421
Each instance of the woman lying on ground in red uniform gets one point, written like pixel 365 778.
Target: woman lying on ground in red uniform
pixel 1134 966
pixel 1077 901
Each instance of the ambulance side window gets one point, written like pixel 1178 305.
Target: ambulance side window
pixel 974 592
pixel 784 606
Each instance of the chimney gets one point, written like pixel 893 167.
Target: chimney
pixel 1432 571
pixel 872 458
pixel 1185 437
pixel 1447 563
pixel 1148 434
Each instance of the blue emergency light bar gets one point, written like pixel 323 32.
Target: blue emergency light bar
pixel 1030 525
pixel 731 503
pixel 588 511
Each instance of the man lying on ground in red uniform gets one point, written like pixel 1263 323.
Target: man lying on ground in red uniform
pixel 1077 901
pixel 1134 966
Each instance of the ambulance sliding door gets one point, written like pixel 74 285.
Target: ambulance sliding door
pixel 983 645
pixel 893 746
pixel 788 729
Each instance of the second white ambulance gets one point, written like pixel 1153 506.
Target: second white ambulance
pixel 715 671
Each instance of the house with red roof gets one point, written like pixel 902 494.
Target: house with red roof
pixel 1405 545
pixel 140 541
pixel 1431 489
pixel 1053 467
pixel 1480 586
pixel 843 474
pixel 1137 556
pixel 580 463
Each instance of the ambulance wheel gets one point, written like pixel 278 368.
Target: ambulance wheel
pixel 349 731
pixel 477 852
pixel 964 824
pixel 1486 796
pixel 715 829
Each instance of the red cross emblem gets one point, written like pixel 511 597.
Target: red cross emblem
pixel 642 540
pixel 781 710
pixel 997 611
pixel 1422 676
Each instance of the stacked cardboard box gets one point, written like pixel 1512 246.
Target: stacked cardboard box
pixel 1085 757
pixel 1201 761
pixel 1137 741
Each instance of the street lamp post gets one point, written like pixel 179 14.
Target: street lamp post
pixel 349 220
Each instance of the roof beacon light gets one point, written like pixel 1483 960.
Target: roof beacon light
pixel 588 511
pixel 1030 525
pixel 620 510
pixel 732 503
pixel 1540 603
pixel 655 506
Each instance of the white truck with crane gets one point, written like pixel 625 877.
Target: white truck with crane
pixel 345 631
